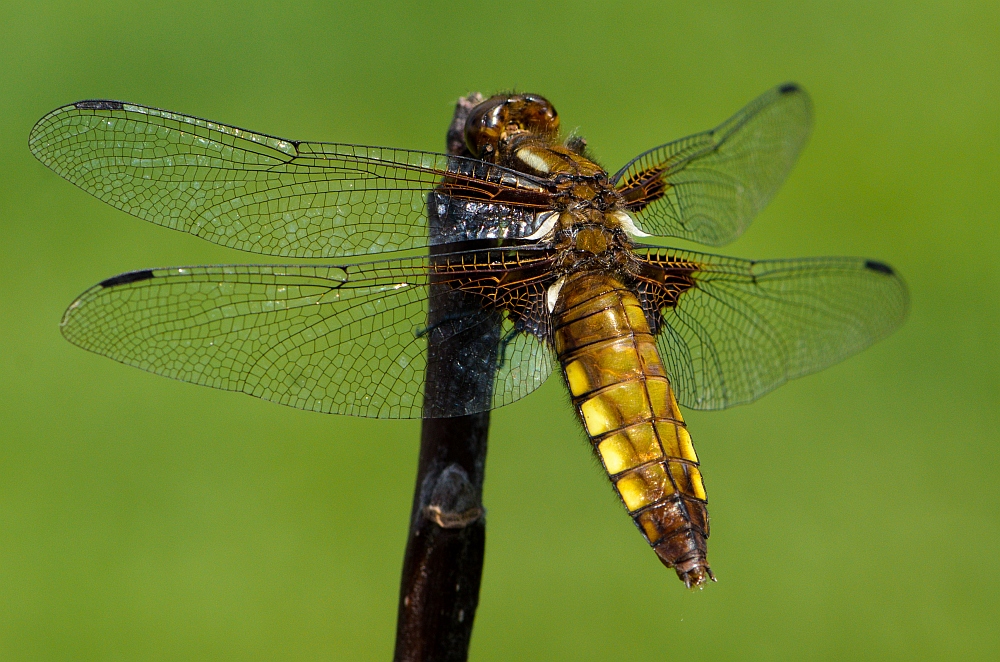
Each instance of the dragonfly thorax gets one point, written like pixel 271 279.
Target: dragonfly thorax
pixel 589 241
pixel 594 240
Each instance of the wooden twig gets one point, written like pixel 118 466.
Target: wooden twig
pixel 443 565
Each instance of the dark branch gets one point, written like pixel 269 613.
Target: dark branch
pixel 443 566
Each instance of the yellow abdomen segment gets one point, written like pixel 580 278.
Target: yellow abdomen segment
pixel 623 397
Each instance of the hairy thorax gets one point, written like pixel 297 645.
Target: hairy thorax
pixel 520 132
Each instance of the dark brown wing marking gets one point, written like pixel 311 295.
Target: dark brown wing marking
pixel 731 330
pixel 660 286
pixel 642 188
pixel 515 281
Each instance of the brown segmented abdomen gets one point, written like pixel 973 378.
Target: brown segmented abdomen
pixel 622 394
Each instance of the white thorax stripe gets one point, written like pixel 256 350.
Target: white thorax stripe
pixel 552 296
pixel 533 160
pixel 626 222
pixel 548 221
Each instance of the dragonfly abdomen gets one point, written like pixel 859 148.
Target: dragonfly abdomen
pixel 621 392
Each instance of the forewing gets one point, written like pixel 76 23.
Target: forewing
pixel 732 330
pixel 348 340
pixel 709 186
pixel 268 195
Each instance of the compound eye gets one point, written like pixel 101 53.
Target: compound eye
pixel 485 125
pixel 537 114
pixel 499 117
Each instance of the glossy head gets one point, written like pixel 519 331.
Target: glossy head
pixel 504 116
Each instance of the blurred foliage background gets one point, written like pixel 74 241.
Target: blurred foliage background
pixel 856 513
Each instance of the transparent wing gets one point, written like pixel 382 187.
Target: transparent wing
pixel 709 186
pixel 348 340
pixel 732 330
pixel 264 194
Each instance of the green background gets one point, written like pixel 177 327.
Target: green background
pixel 855 513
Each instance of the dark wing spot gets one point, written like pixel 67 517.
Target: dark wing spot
pixel 99 104
pixel 880 267
pixel 788 88
pixel 130 277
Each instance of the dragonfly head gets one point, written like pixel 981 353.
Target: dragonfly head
pixel 494 122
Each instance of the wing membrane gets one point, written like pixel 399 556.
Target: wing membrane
pixel 744 327
pixel 348 340
pixel 264 194
pixel 709 186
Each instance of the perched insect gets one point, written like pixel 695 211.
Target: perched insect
pixel 533 235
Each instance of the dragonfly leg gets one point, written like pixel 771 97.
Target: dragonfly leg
pixel 448 319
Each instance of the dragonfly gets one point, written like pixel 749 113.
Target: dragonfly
pixel 539 243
